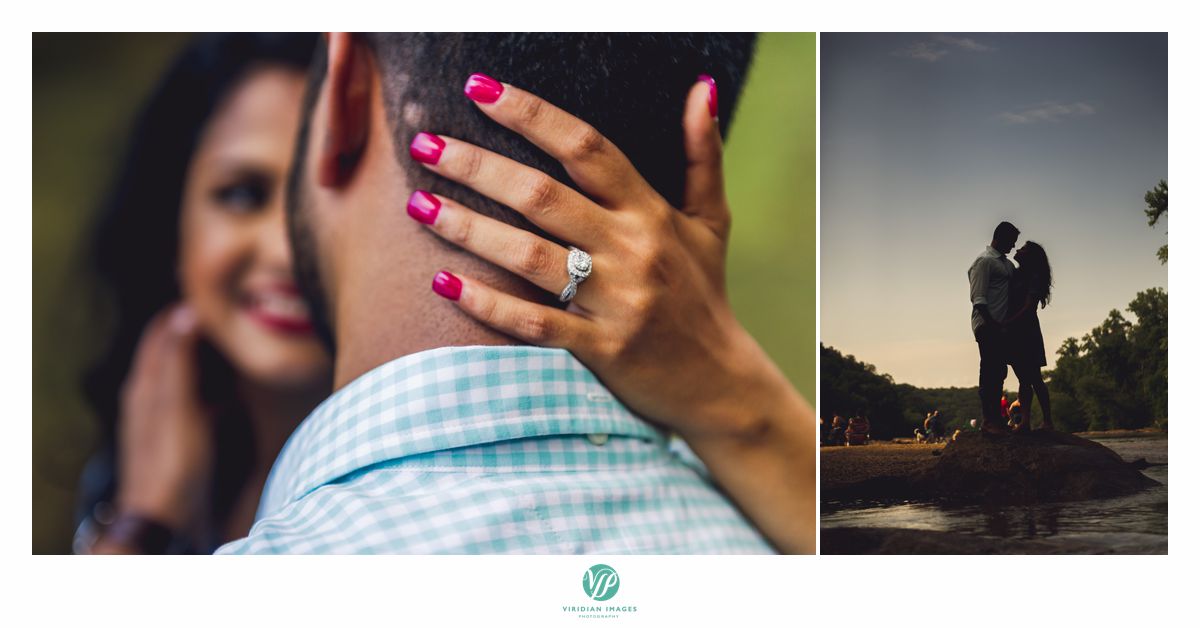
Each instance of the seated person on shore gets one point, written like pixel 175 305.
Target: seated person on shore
pixel 934 429
pixel 1014 414
pixel 444 436
pixel 837 435
pixel 923 433
pixel 858 431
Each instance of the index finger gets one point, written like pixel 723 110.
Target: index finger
pixel 600 169
pixel 151 356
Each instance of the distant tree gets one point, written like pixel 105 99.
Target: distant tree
pixel 1149 347
pixel 850 387
pixel 1116 375
pixel 1156 207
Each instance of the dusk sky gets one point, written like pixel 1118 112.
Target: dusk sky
pixel 928 141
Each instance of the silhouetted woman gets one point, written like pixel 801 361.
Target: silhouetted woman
pixel 1029 288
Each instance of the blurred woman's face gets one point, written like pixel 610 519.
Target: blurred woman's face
pixel 235 262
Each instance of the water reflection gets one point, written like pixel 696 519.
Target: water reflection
pixel 1132 516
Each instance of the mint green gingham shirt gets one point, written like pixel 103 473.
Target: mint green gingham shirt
pixel 474 450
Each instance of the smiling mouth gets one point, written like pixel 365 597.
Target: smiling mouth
pixel 278 309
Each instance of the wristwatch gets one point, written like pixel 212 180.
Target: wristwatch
pixel 142 534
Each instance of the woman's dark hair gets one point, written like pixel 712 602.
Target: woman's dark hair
pixel 1038 267
pixel 135 250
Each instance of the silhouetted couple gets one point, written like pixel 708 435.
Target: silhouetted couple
pixel 1004 319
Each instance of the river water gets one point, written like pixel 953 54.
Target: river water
pixel 1132 524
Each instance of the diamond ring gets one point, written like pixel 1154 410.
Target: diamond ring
pixel 579 267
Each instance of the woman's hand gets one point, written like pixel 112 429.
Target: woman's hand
pixel 165 438
pixel 653 320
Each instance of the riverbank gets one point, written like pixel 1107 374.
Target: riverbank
pixel 875 500
pixel 904 541
pixel 1145 432
pixel 844 467
pixel 883 463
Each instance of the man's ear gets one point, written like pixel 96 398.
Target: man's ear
pixel 348 82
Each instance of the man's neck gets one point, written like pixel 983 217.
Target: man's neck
pixel 385 307
pixel 395 320
pixel 382 266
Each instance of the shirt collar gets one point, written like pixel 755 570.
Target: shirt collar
pixel 444 399
pixel 992 252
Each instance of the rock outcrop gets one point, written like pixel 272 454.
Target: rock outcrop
pixel 1040 466
pixel 1035 467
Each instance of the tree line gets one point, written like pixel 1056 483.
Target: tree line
pixel 851 387
pixel 1115 376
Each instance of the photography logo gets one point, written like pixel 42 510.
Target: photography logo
pixel 601 582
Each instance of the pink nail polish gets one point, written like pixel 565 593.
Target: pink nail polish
pixel 423 207
pixel 427 148
pixel 483 88
pixel 447 285
pixel 712 93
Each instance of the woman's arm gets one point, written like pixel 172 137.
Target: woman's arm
pixel 1029 302
pixel 165 438
pixel 653 321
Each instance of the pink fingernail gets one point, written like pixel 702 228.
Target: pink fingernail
pixel 447 285
pixel 712 93
pixel 423 207
pixel 427 148
pixel 483 88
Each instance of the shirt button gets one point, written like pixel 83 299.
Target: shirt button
pixel 598 439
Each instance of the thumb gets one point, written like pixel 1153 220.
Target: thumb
pixel 704 187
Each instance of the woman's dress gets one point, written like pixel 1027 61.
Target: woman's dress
pixel 1024 335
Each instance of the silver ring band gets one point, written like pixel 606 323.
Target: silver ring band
pixel 568 293
pixel 579 268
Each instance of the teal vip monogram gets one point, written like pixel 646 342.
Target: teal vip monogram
pixel 601 582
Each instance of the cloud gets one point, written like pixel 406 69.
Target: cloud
pixel 1048 112
pixel 923 51
pixel 965 43
pixel 939 46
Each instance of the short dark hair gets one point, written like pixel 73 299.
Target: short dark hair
pixel 630 86
pixel 1005 230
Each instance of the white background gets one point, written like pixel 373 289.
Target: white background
pixel 530 591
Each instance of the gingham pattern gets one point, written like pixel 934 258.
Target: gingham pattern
pixel 487 450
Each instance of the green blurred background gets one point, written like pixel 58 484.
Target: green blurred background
pixel 86 89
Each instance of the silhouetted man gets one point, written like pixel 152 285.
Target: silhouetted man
pixel 989 276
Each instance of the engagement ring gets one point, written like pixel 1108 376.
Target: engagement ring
pixel 579 267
